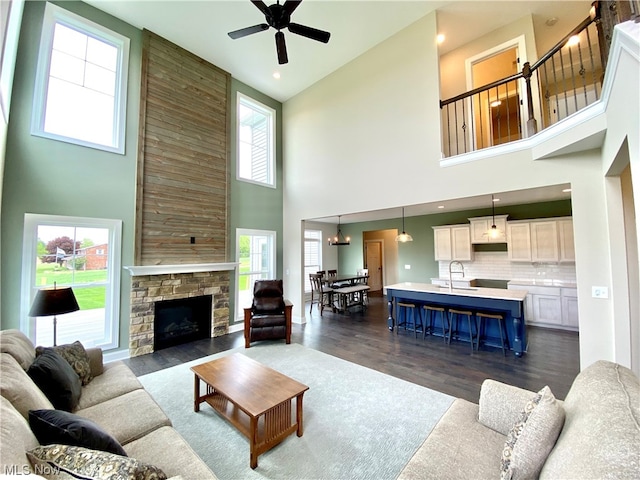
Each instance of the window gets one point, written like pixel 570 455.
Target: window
pixel 63 252
pixel 312 255
pixel 80 92
pixel 256 134
pixel 256 253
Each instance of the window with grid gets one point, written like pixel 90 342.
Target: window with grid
pixel 312 255
pixel 256 134
pixel 80 91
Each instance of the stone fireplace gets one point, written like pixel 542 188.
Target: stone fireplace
pixel 155 283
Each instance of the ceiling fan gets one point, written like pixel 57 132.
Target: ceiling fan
pixel 279 17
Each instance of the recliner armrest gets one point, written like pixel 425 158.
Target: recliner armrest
pixel 95 360
pixel 501 405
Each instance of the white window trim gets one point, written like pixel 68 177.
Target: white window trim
pixel 272 263
pixel 29 245
pixel 304 253
pixel 9 52
pixel 52 15
pixel 272 141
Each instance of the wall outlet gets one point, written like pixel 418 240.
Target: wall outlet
pixel 599 292
pixel 407 267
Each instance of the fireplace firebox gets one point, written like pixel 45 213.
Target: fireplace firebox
pixel 181 320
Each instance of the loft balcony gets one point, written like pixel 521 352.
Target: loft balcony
pixel 564 81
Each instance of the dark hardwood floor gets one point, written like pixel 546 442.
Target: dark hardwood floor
pixel 363 338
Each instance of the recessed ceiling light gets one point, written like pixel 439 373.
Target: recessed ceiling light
pixel 551 21
pixel 440 38
pixel 496 199
pixel 276 75
pixel 440 206
pixel 496 103
pixel 566 190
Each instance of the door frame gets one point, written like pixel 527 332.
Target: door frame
pixel 519 44
pixel 382 261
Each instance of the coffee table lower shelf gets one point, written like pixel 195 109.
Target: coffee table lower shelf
pixel 269 430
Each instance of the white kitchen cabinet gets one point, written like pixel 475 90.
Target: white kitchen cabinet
pixel 452 242
pixel 565 236
pixel 519 241
pixel 549 306
pixel 480 227
pixel 544 241
pixel 569 298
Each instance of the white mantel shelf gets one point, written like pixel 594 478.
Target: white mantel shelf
pixel 183 268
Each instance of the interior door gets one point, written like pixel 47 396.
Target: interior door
pixel 374 264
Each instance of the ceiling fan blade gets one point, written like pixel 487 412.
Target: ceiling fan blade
pixel 243 32
pixel 309 32
pixel 290 5
pixel 281 47
pixel 261 6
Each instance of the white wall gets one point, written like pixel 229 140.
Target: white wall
pixel 368 137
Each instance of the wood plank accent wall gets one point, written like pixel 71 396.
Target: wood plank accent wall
pixel 182 182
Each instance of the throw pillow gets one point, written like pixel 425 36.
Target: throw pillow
pixel 80 462
pixel 57 426
pixel 532 437
pixel 57 380
pixel 76 355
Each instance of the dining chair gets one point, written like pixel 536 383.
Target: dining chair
pixel 323 294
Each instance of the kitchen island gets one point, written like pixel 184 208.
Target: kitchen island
pixel 508 302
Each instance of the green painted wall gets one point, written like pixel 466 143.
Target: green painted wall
pixel 419 253
pixel 253 206
pixel 51 177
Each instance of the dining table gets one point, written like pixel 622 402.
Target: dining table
pixel 350 290
pixel 344 279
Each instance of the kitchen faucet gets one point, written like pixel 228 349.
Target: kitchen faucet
pixel 451 273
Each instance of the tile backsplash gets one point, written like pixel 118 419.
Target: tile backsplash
pixel 496 265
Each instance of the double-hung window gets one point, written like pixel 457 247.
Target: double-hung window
pixel 312 255
pixel 80 91
pixel 256 134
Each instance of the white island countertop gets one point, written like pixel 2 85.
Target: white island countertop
pixel 479 292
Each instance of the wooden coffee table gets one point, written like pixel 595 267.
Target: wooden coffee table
pixel 253 397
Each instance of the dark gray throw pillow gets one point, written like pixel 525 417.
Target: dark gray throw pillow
pixel 57 380
pixel 60 427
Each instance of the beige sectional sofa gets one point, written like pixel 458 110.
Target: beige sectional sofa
pixel 599 436
pixel 114 399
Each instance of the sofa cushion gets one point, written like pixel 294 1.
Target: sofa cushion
pixel 58 426
pixel 601 433
pixel 501 405
pixel 88 464
pixel 57 380
pixel 15 440
pixel 127 417
pixel 116 380
pixel 18 345
pixel 458 447
pixel 167 449
pixel 532 437
pixel 75 354
pixel 17 387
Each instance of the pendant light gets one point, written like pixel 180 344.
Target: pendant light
pixel 339 239
pixel 404 236
pixel 493 231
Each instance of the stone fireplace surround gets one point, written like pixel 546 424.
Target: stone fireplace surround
pixel 152 283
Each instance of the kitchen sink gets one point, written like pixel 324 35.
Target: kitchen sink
pixel 459 288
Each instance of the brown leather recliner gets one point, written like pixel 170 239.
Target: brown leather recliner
pixel 269 317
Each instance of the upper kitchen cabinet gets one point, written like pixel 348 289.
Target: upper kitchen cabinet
pixel 544 240
pixel 452 242
pixel 480 227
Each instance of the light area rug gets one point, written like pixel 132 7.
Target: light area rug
pixel 358 423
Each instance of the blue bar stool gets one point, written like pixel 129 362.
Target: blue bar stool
pixel 483 317
pixel 405 310
pixel 454 314
pixel 430 312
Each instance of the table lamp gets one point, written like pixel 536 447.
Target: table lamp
pixel 54 302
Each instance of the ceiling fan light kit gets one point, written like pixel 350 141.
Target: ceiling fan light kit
pixel 279 17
